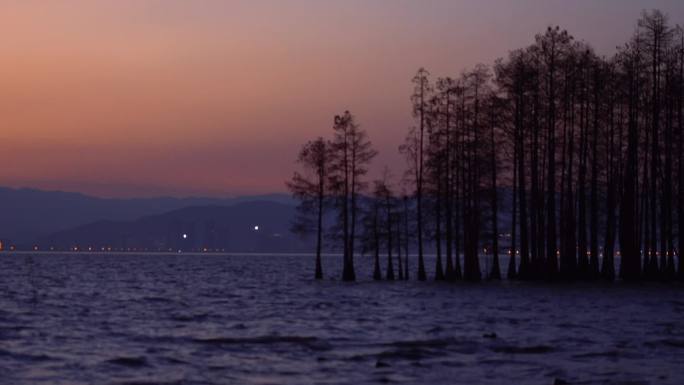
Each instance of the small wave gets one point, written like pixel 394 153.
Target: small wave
pixel 435 330
pixel 673 343
pixel 609 353
pixel 460 345
pixel 13 328
pixel 410 354
pixel 145 382
pixel 416 350
pixel 155 299
pixel 24 356
pixel 504 362
pixel 176 361
pixel 256 340
pixel 534 349
pixel 309 342
pixel 433 343
pixel 151 339
pixel 132 362
pixel 569 325
pixel 189 317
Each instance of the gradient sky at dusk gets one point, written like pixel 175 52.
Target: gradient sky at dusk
pixel 142 98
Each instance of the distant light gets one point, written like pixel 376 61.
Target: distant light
pixel 256 228
pixel 185 236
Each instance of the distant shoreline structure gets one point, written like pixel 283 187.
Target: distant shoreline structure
pixel 189 253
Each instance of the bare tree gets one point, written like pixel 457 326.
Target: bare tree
pixel 310 189
pixel 420 98
pixel 351 152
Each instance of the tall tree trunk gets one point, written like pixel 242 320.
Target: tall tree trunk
pixel 471 261
pixel 568 263
pixel 655 156
pixel 496 270
pixel 354 210
pixel 398 242
pixel 608 264
pixel 551 247
pixel 439 272
pixel 406 238
pixel 680 160
pixel 448 194
pixel 593 204
pixel 582 257
pixel 535 209
pixel 319 225
pixel 649 267
pixel 630 264
pixel 422 276
pixel 347 271
pixel 666 250
pixel 390 266
pixel 458 272
pixel 512 265
pixel 524 269
pixel 377 275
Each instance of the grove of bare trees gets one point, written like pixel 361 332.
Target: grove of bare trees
pixel 566 164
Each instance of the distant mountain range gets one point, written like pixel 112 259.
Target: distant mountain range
pixel 64 221
pixel 28 215
pixel 256 226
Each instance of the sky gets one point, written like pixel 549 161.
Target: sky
pixel 133 98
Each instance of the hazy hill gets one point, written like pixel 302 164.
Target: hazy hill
pixel 27 214
pixel 259 226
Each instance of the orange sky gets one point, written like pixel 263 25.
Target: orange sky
pixel 166 97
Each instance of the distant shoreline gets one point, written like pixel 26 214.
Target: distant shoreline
pixel 66 252
pixel 193 253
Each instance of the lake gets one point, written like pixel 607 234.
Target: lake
pixel 260 319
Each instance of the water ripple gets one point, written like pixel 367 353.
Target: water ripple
pixel 86 319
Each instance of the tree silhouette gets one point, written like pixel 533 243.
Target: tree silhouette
pixel 422 90
pixel 351 152
pixel 311 192
pixel 370 239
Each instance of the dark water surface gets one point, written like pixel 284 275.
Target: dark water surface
pixel 184 319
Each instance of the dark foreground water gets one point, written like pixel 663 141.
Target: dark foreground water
pixel 182 319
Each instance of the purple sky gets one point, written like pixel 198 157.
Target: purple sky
pixel 142 98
